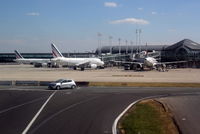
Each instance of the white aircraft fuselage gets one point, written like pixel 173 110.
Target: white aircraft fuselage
pixel 77 61
pixel 20 59
pixel 32 61
pixel 150 61
pixel 59 59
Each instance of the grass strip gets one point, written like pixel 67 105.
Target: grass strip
pixel 147 117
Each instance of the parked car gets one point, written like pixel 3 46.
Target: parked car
pixel 62 83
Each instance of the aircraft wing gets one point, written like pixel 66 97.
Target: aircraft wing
pixel 83 64
pixel 128 62
pixel 172 62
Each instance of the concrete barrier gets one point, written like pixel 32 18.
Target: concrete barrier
pixel 78 83
pixel 5 83
pixel 26 83
pixel 82 83
pixel 113 84
pixel 44 83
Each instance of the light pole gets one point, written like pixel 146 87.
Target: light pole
pixel 140 31
pixel 110 41
pixel 119 45
pixel 99 43
pixel 138 39
pixel 131 47
pixel 126 47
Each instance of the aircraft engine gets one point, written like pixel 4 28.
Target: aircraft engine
pixel 93 66
pixel 44 64
pixel 54 64
pixel 139 66
pixel 40 64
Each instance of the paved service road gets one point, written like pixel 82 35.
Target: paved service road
pixel 88 110
pixel 17 108
pixel 186 111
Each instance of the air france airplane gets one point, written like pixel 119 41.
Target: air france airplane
pixel 20 59
pixel 142 60
pixel 81 63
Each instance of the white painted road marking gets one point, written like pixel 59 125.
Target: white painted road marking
pixel 61 111
pixel 11 108
pixel 68 92
pixel 37 114
pixel 183 119
pixel 114 126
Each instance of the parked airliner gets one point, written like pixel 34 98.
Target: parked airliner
pixel 81 63
pixel 20 59
pixel 141 60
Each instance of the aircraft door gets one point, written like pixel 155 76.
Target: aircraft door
pixel 64 84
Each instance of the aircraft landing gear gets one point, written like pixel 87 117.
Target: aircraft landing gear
pixel 82 68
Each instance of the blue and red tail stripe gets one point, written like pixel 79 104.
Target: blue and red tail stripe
pixel 55 51
pixel 18 55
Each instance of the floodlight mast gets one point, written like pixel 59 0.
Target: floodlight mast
pixel 131 47
pixel 110 42
pixel 119 46
pixel 140 31
pixel 126 47
pixel 138 40
pixel 99 43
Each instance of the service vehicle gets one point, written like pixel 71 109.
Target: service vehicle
pixel 62 83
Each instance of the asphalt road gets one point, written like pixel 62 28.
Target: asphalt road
pixel 186 111
pixel 87 110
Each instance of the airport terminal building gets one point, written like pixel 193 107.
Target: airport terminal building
pixel 186 50
pixel 183 50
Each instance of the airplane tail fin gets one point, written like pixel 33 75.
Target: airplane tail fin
pixel 56 53
pixel 18 55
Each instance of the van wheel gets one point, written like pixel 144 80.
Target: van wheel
pixel 73 86
pixel 58 87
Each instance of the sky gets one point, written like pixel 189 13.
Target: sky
pixel 78 25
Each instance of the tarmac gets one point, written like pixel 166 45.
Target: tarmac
pixel 28 72
pixel 185 109
pixel 36 110
pixel 110 100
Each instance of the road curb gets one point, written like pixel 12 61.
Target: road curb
pixel 114 126
pixel 27 83
pixel 5 83
pixel 144 84
pixel 105 84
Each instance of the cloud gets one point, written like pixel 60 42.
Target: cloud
pixel 130 21
pixel 154 13
pixel 110 4
pixel 140 8
pixel 33 14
